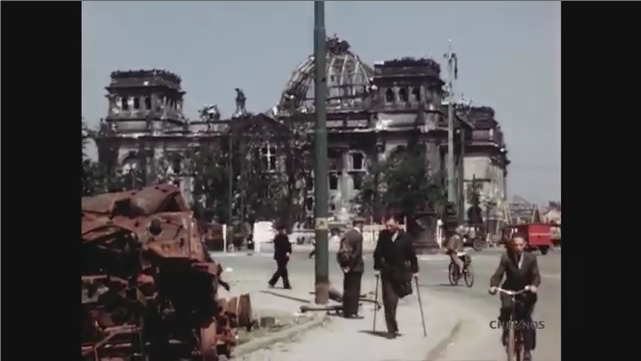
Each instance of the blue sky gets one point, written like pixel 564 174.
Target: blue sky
pixel 509 58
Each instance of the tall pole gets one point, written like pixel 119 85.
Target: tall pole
pixel 461 179
pixel 452 70
pixel 230 171
pixel 320 139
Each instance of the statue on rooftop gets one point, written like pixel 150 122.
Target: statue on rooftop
pixel 240 101
pixel 209 112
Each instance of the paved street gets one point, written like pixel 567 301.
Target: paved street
pixel 444 306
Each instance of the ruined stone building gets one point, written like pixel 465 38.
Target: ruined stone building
pixel 372 112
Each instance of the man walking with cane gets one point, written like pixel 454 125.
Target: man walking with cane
pixel 396 263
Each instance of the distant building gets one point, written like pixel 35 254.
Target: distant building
pixel 372 112
pixel 486 162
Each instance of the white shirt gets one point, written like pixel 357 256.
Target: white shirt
pixel 394 236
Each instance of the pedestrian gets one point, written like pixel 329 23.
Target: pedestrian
pixel 282 252
pixel 350 259
pixel 313 252
pixel 396 263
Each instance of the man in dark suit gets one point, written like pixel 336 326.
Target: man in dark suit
pixel 395 261
pixel 282 252
pixel 350 258
pixel 521 270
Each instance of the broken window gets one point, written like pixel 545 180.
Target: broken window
pixel 268 156
pixel 175 165
pixel 416 92
pixel 333 181
pixel 136 103
pixel 309 182
pixel 358 181
pixel 402 95
pixel 147 103
pixel 309 204
pixel 357 161
pixel 333 164
pixel 389 95
pixel 125 103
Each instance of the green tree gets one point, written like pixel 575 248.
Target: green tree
pixel 297 152
pixel 400 185
pixel 211 182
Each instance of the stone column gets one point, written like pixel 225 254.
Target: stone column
pixel 433 157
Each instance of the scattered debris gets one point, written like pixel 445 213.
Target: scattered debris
pixel 149 287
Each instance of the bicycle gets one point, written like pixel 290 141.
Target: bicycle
pixel 468 272
pixel 515 343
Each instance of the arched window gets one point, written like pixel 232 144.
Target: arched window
pixel 402 95
pixel 416 92
pixel 389 95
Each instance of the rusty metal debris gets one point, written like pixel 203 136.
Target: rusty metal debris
pixel 149 287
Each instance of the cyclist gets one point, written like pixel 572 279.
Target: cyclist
pixel 453 246
pixel 521 270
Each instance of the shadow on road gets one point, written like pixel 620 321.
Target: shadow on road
pixel 421 285
pixel 292 298
pixel 382 334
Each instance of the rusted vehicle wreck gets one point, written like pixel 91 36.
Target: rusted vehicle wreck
pixel 149 288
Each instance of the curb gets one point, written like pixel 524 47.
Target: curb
pixel 263 342
pixel 439 349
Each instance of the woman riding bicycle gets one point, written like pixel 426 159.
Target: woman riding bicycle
pixel 521 271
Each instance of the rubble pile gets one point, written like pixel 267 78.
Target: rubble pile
pixel 149 287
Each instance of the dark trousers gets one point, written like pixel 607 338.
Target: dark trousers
pixel 281 271
pixel 523 311
pixel 351 292
pixel 390 303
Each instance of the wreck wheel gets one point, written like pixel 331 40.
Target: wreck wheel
pixel 208 341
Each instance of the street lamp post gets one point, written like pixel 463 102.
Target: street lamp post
pixel 320 139
pixel 452 70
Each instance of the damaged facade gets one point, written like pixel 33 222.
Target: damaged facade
pixel 372 112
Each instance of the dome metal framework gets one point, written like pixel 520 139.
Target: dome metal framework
pixel 347 80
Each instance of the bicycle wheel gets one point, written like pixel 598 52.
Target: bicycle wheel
pixel 510 347
pixel 469 275
pixel 451 274
pixel 519 347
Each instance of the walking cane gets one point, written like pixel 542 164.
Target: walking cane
pixel 375 303
pixel 420 306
